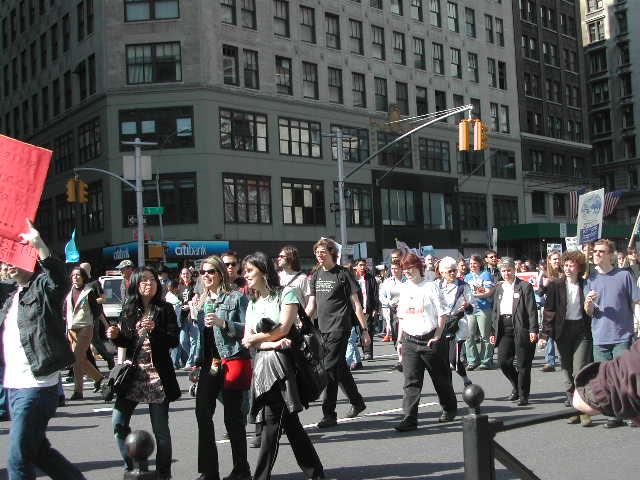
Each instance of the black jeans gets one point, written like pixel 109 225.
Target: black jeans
pixel 335 363
pixel 371 325
pixel 416 357
pixel 209 387
pixel 276 420
pixel 393 315
pixel 517 348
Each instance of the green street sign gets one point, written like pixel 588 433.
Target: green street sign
pixel 153 210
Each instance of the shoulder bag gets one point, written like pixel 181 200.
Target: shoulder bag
pixel 122 374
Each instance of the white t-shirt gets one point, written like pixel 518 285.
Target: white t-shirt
pixel 419 307
pixel 17 370
pixel 574 309
pixel 506 304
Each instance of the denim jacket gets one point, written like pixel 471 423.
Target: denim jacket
pixel 40 321
pixel 227 341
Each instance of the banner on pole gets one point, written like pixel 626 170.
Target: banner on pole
pixel 71 251
pixel 24 171
pixel 554 246
pixel 572 244
pixel 590 213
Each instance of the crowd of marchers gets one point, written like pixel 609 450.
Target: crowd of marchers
pixel 230 324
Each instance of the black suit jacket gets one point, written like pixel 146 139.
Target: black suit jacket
pixel 555 309
pixel 525 315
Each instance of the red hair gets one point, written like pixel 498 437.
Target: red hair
pixel 411 260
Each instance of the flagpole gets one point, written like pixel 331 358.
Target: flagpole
pixel 634 231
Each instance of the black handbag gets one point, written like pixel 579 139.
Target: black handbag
pixel 122 374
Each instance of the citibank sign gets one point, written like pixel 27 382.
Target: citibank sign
pixel 185 250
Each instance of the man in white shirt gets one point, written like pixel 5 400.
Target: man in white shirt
pixel 31 309
pixel 289 271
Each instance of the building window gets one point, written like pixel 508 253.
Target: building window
pixel 503 164
pixel 178 196
pixel 358 205
pixel 54 41
pixel 472 66
pixel 307 24
pixel 299 138
pixel 456 63
pixel 335 85
pixel 43 51
pixel 137 10
pixel 488 28
pixel 228 11
pixel 437 211
pixel 627 116
pixel 302 202
pixel 399 154
pixel 416 10
pixel 491 73
pixel 473 211
pixel 65 222
pixel 596 31
pixel 55 86
pixel 402 97
pixel 81 21
pixel 243 130
pixel 452 17
pixel 310 80
pixel 505 210
pixel 629 147
pixel 251 73
pixel 355 37
pixel 382 103
pixel 470 22
pixel 538 203
pixel 247 198
pixel 420 61
pixel 92 73
pixel 396 7
pixel 63 152
pixel 441 102
pixel 355 143
pixel 559 204
pixel 283 76
pixel 68 94
pixel 422 104
pixel 399 55
pixel 358 90
pixel 625 85
pixel 332 30
pixel 377 42
pixel 434 155
pixel 499 31
pixel 504 119
pixel 376 4
pixel 434 13
pixel 248 14
pixel 598 61
pixel 281 18
pixel 170 127
pixel 471 163
pixel 35 106
pixel 230 70
pixel 90 16
pixel 154 63
pixel 438 59
pixel 89 141
pixel 593 5
pixel 398 207
pixel 92 216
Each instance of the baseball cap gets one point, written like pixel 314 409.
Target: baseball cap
pixel 124 264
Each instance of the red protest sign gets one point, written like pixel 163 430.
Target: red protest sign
pixel 22 176
pixel 530 277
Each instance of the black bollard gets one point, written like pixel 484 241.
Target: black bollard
pixel 140 446
pixel 477 438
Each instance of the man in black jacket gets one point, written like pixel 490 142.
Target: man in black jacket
pixel 368 295
pixel 35 350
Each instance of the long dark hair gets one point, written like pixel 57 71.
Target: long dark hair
pixel 83 275
pixel 263 263
pixel 134 306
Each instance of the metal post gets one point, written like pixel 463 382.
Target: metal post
pixel 139 208
pixel 477 438
pixel 164 253
pixel 341 202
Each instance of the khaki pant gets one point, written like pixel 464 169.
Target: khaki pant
pixel 80 340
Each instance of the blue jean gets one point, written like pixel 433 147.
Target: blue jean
pixel 190 334
pixel 159 412
pixel 550 353
pixel 480 323
pixel 604 353
pixel 4 404
pixel 31 409
pixel 353 352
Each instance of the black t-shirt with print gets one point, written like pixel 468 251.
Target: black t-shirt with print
pixel 333 290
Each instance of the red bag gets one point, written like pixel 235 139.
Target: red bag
pixel 238 374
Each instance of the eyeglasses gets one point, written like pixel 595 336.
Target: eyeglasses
pixel 231 264
pixel 213 271
pixel 282 256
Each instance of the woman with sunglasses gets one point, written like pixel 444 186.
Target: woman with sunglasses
pixel 275 397
pixel 225 370
pixel 150 327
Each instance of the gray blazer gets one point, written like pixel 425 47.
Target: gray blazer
pixel 525 315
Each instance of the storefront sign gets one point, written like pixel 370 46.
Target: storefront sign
pixel 175 250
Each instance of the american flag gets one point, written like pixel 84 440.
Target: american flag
pixel 611 200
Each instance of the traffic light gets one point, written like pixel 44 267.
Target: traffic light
pixel 71 190
pixel 464 135
pixel 83 192
pixel 480 136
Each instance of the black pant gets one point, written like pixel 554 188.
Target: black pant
pixel 416 357
pixel 393 315
pixel 98 343
pixel 335 363
pixel 209 387
pixel 517 347
pixel 371 325
pixel 276 420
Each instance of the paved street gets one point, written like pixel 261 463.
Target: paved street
pixel 368 447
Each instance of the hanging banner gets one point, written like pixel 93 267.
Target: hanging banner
pixel 71 251
pixel 529 277
pixel 554 246
pixel 22 176
pixel 572 244
pixel 590 210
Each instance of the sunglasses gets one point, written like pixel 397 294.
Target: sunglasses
pixel 231 264
pixel 213 271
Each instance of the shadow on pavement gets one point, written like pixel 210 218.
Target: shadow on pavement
pixel 409 471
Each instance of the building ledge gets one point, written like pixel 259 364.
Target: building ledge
pixel 555 141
